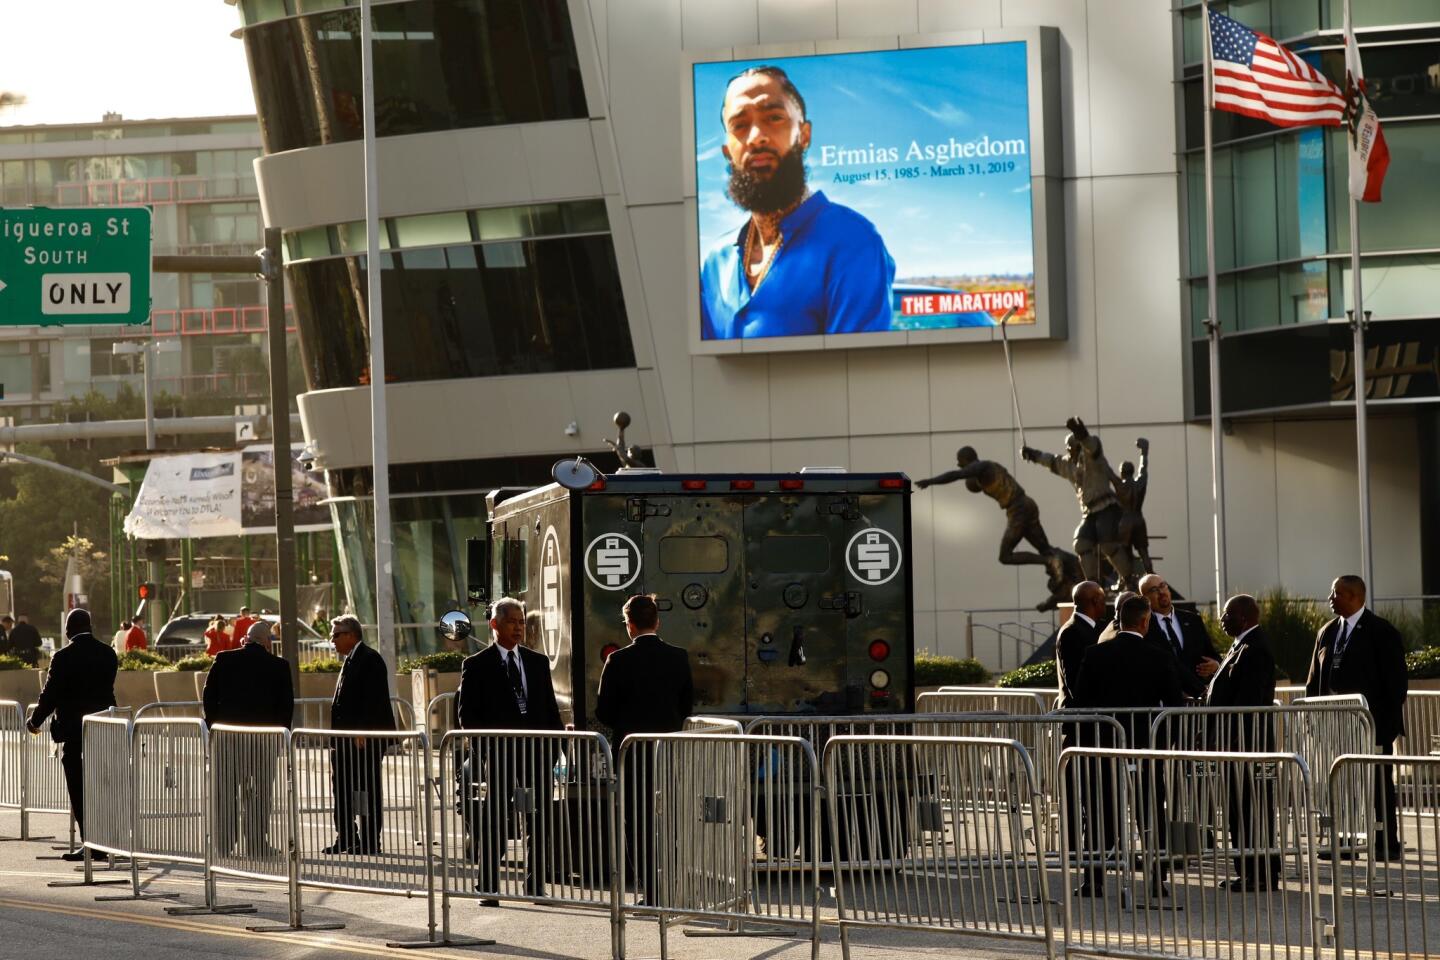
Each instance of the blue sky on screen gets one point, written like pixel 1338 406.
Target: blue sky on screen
pixel 967 225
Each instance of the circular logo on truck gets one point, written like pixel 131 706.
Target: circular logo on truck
pixel 612 561
pixel 873 556
pixel 551 582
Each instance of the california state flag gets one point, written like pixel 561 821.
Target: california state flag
pixel 1369 157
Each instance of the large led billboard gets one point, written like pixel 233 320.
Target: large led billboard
pixel 884 192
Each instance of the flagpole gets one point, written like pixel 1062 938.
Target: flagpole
pixel 1212 324
pixel 1358 322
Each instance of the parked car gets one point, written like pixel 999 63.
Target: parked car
pixel 184 636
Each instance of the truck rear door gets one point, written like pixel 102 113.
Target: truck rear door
pixel 694 557
pixel 796 605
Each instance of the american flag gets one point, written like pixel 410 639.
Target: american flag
pixel 1254 75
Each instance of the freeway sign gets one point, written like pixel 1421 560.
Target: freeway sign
pixel 74 266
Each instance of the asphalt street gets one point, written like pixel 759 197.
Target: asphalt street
pixel 40 920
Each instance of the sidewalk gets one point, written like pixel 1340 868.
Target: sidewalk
pixel 36 920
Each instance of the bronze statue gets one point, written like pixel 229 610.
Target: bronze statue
pixel 1022 516
pixel 1085 466
pixel 1022 521
pixel 1130 489
pixel 628 456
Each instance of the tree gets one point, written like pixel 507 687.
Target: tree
pixel 10 99
pixel 90 564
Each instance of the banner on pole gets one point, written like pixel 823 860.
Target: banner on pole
pixel 225 494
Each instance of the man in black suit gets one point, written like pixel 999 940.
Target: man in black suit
pixel 645 687
pixel 1246 678
pixel 1359 652
pixel 1079 634
pixel 506 686
pixel 81 680
pixel 248 686
pixel 1126 671
pixel 362 702
pixel 1183 633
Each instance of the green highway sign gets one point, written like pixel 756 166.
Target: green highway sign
pixel 74 266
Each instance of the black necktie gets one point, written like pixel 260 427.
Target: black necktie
pixel 1342 639
pixel 513 668
pixel 1174 640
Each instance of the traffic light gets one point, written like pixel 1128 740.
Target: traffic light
pixel 146 592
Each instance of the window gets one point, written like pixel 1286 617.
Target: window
pixel 795 554
pixel 471 310
pixel 694 555
pixel 439 65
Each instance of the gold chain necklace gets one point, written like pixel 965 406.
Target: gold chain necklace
pixel 766 262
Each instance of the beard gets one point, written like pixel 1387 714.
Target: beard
pixel 773 193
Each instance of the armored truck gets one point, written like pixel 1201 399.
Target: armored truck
pixel 792 592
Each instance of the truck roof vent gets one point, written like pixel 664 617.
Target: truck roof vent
pixel 822 469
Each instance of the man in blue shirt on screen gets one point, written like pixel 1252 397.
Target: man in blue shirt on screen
pixel 800 264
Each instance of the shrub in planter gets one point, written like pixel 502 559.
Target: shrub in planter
pixel 198 662
pixel 324 665
pixel 1423 664
pixel 444 661
pixel 1036 675
pixel 143 660
pixel 937 671
pixel 8 662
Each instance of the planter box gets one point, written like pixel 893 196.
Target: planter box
pixel 1433 683
pixel 200 677
pixel 22 686
pixel 174 687
pixel 134 688
pixel 317 685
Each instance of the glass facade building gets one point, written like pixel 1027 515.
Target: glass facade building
pixel 500 290
pixel 197 176
pixel 1282 217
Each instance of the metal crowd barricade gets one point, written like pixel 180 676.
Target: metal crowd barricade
pixel 1318 730
pixel 171 710
pixel 249 802
pixel 1384 904
pixel 930 834
pixel 354 817
pixel 976 699
pixel 43 777
pixel 1186 854
pixel 712 725
pixel 109 788
pixel 691 807
pixel 314 712
pixel 1422 729
pixel 13 737
pixel 168 794
pixel 528 815
pixel 1287 695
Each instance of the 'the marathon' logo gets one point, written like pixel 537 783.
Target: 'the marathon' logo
pixel 612 561
pixel 987 301
pixel 873 556
pixel 550 582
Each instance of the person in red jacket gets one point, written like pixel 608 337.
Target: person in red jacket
pixel 217 638
pixel 242 626
pixel 135 638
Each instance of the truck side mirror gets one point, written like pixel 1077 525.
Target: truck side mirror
pixel 477 570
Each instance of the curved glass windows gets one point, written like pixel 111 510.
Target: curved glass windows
pixel 439 65
pixel 467 310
